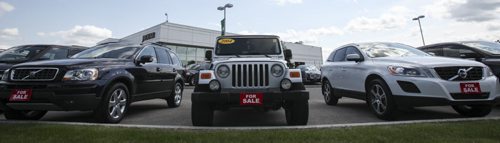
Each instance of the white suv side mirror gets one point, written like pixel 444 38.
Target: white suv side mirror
pixel 353 57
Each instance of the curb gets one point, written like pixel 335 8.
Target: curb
pixel 253 128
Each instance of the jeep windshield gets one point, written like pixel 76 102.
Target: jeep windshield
pixel 247 46
pixel 376 50
pixel 21 53
pixel 108 51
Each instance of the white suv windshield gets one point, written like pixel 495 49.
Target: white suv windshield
pixel 247 46
pixel 375 50
pixel 491 47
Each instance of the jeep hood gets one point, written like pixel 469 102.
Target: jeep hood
pixel 242 60
pixel 427 61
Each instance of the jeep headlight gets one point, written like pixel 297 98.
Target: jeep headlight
pixel 223 71
pixel 81 74
pixel 277 70
pixel 405 71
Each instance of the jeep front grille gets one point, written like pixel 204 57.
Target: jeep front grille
pixel 460 73
pixel 250 75
pixel 34 74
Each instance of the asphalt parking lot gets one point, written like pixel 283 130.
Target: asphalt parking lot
pixel 155 112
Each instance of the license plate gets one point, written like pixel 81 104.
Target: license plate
pixel 20 95
pixel 470 88
pixel 251 98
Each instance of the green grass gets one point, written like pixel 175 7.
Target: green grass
pixel 476 131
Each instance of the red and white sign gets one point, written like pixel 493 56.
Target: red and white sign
pixel 251 98
pixel 20 95
pixel 470 88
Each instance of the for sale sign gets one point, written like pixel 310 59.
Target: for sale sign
pixel 251 98
pixel 20 95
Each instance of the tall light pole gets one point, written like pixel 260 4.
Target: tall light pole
pixel 223 22
pixel 420 25
pixel 166 14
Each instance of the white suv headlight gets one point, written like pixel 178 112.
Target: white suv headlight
pixel 277 70
pixel 405 71
pixel 223 71
pixel 81 74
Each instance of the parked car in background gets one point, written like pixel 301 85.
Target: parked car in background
pixel 310 73
pixel 27 53
pixel 481 51
pixel 193 70
pixel 392 75
pixel 104 79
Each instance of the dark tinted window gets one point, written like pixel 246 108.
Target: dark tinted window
pixel 109 51
pixel 175 59
pixel 163 56
pixel 330 58
pixel 456 51
pixel 21 53
pixel 438 51
pixel 149 50
pixel 353 50
pixel 339 55
pixel 74 51
pixel 54 54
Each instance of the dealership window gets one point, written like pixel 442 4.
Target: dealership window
pixel 200 54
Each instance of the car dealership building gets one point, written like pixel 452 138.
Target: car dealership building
pixel 190 43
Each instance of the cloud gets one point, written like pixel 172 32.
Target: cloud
pixel 87 35
pixel 396 17
pixel 4 46
pixel 465 10
pixel 5 7
pixel 283 2
pixel 306 36
pixel 9 33
pixel 494 26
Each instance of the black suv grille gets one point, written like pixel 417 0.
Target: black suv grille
pixel 460 73
pixel 34 74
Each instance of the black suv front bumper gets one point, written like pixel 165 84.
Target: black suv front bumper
pixel 61 96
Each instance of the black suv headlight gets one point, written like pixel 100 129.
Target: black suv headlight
pixel 82 74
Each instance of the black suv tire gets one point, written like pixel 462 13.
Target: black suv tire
pixel 297 113
pixel 175 98
pixel 103 112
pixel 473 110
pixel 24 115
pixel 202 114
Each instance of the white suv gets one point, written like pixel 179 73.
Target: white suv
pixel 393 75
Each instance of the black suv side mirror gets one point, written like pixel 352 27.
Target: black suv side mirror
pixel 354 57
pixel 145 59
pixel 288 54
pixel 208 55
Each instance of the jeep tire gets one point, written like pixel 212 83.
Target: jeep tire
pixel 202 114
pixel 297 113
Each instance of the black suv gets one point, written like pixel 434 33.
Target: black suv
pixel 26 53
pixel 482 51
pixel 104 79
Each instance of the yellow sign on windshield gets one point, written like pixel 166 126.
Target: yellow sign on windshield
pixel 226 41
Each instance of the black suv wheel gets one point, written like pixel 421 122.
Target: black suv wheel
pixel 114 104
pixel 175 99
pixel 24 115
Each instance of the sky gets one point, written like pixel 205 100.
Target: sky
pixel 324 23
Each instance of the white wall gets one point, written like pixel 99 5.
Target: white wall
pixel 311 55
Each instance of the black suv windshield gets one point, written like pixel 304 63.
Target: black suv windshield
pixel 490 47
pixel 375 50
pixel 108 51
pixel 21 53
pixel 247 46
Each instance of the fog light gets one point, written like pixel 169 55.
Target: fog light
pixel 286 84
pixel 214 85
